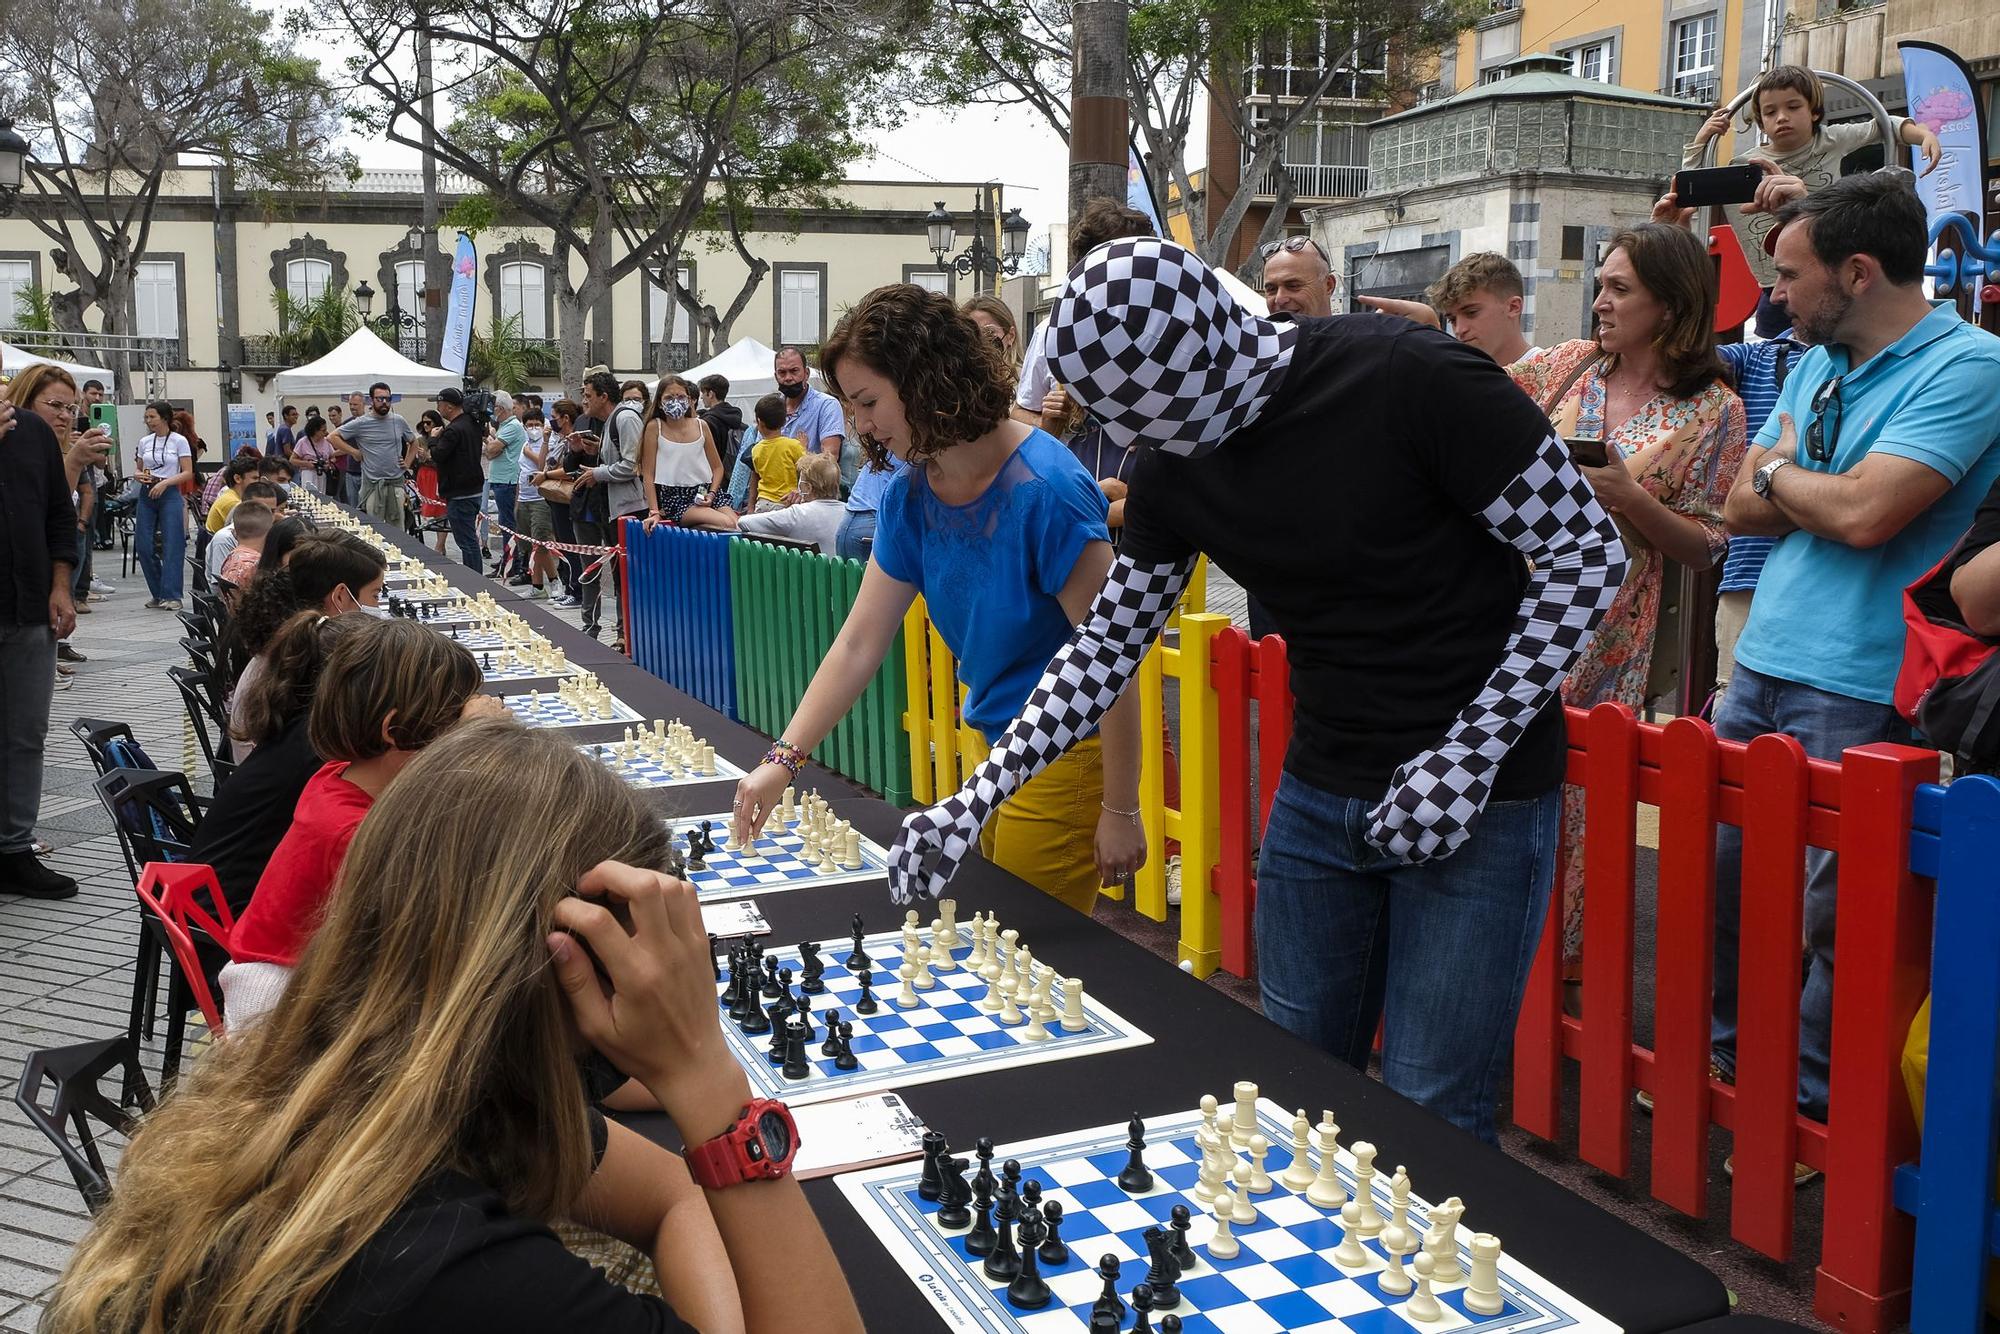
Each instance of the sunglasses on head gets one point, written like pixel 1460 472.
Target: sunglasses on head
pixel 1291 245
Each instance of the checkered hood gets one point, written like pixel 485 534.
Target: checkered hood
pixel 1147 337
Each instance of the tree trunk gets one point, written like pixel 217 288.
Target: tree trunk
pixel 571 311
pixel 1100 109
pixel 114 306
pixel 1274 223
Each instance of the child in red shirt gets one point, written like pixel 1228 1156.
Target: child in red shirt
pixel 388 691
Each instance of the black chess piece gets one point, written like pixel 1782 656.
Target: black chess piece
pixel 1103 1322
pixel 1054 1251
pixel 1031 1194
pixel 756 1020
pixel 1109 1302
pixel 486 663
pixel 695 850
pixel 930 1184
pixel 802 1007
pixel 768 968
pixel 1027 1288
pixel 1142 1309
pixel 867 1003
pixel 844 1058
pixel 857 959
pixel 983 1150
pixel 1170 1324
pixel 714 961
pixel 1165 1272
pixel 1181 1221
pixel 982 1238
pixel 796 1065
pixel 952 1212
pixel 1010 1172
pixel 831 1047
pixel 706 829
pixel 778 1013
pixel 813 968
pixel 1005 1261
pixel 1137 1178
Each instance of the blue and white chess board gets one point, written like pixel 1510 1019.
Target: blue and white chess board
pixel 643 771
pixel 778 864
pixel 1283 1279
pixel 516 670
pixel 478 641
pixel 552 710
pixel 945 1034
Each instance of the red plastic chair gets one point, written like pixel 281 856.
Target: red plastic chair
pixel 169 891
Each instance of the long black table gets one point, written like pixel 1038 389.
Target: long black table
pixel 1203 1042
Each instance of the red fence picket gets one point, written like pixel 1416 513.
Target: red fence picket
pixel 1245 671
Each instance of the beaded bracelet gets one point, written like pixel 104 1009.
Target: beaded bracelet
pixel 792 757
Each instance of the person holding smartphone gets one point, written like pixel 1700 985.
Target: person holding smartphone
pixel 161 462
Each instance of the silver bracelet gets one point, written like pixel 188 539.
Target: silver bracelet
pixel 1133 816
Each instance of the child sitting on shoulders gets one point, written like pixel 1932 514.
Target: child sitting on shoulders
pixel 387 692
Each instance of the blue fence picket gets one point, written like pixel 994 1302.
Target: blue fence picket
pixel 683 623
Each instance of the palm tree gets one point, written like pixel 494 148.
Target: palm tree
pixel 501 357
pixel 309 329
pixel 33 311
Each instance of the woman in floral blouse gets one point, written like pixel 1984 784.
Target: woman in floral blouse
pixel 1651 387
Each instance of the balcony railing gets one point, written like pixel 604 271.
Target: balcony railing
pixel 1318 181
pixel 679 356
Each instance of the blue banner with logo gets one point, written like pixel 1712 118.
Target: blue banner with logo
pixel 458 311
pixel 1942 95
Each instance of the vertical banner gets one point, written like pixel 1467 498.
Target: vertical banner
pixel 458 312
pixel 242 428
pixel 1139 190
pixel 1941 95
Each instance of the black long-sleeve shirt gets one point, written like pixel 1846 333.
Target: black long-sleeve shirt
pixel 455 450
pixel 39 528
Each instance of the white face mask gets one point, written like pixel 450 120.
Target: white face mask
pixel 379 613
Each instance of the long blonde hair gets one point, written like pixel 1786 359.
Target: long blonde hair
pixel 424 1030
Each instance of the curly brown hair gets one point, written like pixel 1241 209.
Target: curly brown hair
pixel 955 383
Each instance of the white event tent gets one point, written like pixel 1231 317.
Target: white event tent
pixel 14 360
pixel 357 363
pixel 746 364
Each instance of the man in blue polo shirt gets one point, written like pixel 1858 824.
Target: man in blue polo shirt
pixel 812 418
pixel 1886 436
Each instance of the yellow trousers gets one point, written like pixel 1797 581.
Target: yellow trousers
pixel 1046 832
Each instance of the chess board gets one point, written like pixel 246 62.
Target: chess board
pixel 478 641
pixel 944 1035
pixel 551 710
pixel 519 671
pixel 779 864
pixel 1283 1279
pixel 643 771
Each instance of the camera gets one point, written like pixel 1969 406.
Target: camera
pixel 479 404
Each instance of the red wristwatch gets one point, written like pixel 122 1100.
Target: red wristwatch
pixel 759 1147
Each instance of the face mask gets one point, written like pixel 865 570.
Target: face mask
pixel 675 408
pixel 379 613
pixel 795 390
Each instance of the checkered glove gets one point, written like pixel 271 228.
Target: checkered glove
pixel 1550 515
pixel 1082 682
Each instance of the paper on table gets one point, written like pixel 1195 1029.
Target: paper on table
pixel 737 917
pixel 861 1132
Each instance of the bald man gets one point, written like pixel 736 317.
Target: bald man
pixel 1298 280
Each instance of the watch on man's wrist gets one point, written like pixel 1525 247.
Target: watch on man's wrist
pixel 759 1147
pixel 1760 481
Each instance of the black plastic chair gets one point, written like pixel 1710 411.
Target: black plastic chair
pixel 59 1092
pixel 203 701
pixel 156 814
pixel 198 573
pixel 216 613
pixel 97 737
pixel 195 624
pixel 201 653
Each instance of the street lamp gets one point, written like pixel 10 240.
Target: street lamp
pixel 364 297
pixel 13 165
pixel 941 233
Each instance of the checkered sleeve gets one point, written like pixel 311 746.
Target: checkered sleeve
pixel 1083 680
pixel 1549 514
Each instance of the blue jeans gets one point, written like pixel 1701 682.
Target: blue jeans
pixel 1825 724
pixel 1345 933
pixel 855 538
pixel 503 509
pixel 462 513
pixel 165 517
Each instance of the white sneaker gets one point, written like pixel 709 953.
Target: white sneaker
pixel 540 593
pixel 1174 881
pixel 100 589
pixel 63 682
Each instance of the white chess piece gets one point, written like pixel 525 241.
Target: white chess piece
pixel 1072 1013
pixel 1298 1174
pixel 1024 977
pixel 924 980
pixel 1223 1244
pixel 1351 1254
pixel 942 959
pixel 906 999
pixel 1010 1009
pixel 1364 1187
pixel 1395 1280
pixel 1326 1189
pixel 1398 1236
pixel 948 922
pixel 1010 940
pixel 990 1002
pixel 977 928
pixel 850 841
pixel 827 865
pixel 1245 1123
pixel 1037 1029
pixel 1209 1110
pixel 1424 1306
pixel 1482 1293
pixel 1441 1241
pixel 1208 1181
pixel 1260 1180
pixel 1239 1176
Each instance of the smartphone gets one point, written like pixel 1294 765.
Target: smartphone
pixel 1700 187
pixel 1586 453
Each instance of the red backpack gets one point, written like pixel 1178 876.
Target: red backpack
pixel 1949 685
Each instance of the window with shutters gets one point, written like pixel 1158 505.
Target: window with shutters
pixel 524 293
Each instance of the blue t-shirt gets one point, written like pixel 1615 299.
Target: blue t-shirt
pixel 816 417
pixel 507 463
pixel 1761 370
pixel 990 571
pixel 870 484
pixel 1830 615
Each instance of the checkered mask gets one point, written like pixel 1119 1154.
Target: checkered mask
pixel 1149 340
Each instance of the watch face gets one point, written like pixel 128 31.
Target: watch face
pixel 775 1136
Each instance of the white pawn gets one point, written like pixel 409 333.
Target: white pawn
pixel 1298 1174
pixel 1351 1254
pixel 906 999
pixel 924 980
pixel 1482 1294
pixel 1037 1029
pixel 1223 1245
pixel 1395 1280
pixel 990 1002
pixel 1326 1189
pixel 1246 1212
pixel 1209 1109
pixel 827 865
pixel 1260 1180
pixel 1424 1306
pixel 1010 1009
pixel 941 956
pixel 1072 1012
pixel 1364 1187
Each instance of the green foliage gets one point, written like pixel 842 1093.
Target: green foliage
pixel 501 357
pixel 308 330
pixel 473 214
pixel 33 311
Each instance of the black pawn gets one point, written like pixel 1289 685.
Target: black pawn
pixel 1027 1289
pixel 866 1004
pixel 1182 1252
pixel 930 1184
pixel 1031 1195
pixel 804 1010
pixel 768 968
pixel 857 959
pixel 1053 1250
pixel 982 1238
pixel 795 1066
pixel 1137 1178
pixel 1005 1261
pixel 486 663
pixel 1142 1309
pixel 831 1047
pixel 1109 1302
pixel 844 1058
pixel 1170 1324
pixel 952 1212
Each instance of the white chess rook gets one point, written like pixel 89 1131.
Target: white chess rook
pixel 1482 1293
pixel 1245 1123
